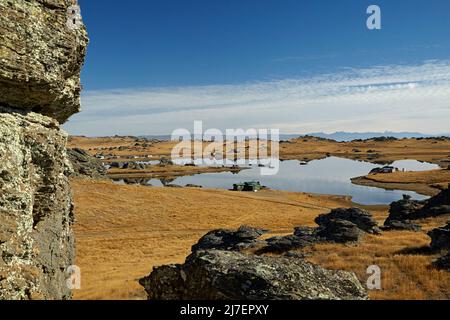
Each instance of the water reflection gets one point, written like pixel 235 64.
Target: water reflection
pixel 327 176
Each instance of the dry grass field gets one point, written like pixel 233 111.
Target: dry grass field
pixel 171 171
pixel 123 231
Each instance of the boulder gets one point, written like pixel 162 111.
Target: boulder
pixel 340 226
pixel 85 165
pixel 340 231
pixel 436 206
pixel 225 275
pixel 404 209
pixel 304 232
pixel 222 239
pixel 302 237
pixel 440 238
pixel 40 57
pixel 406 225
pixel 286 243
pixel 359 217
pixel 36 212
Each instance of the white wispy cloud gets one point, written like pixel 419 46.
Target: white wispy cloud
pixel 394 98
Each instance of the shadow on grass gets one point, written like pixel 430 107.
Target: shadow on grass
pixel 424 250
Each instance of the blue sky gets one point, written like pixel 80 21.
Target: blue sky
pixel 153 66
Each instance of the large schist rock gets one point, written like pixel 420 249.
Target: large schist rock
pixel 40 62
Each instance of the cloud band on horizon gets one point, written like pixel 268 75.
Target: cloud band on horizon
pixel 382 98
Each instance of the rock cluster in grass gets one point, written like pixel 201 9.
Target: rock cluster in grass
pixel 342 225
pixel 218 268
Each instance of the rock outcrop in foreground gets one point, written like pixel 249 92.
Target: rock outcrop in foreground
pixel 40 57
pixel 40 62
pixel 227 275
pixel 218 269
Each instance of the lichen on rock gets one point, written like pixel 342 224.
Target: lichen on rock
pixel 40 57
pixel 229 275
pixel 36 240
pixel 40 63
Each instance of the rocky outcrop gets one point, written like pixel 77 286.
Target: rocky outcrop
pixel 85 165
pixel 440 238
pixel 437 205
pixel 340 226
pixel 402 212
pixel 222 239
pixel 40 62
pixel 225 275
pixel 40 57
pixel 340 231
pixel 399 225
pixel 404 209
pixel 36 240
pixel 289 242
pixel 218 269
pixel 359 217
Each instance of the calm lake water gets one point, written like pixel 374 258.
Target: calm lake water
pixel 328 176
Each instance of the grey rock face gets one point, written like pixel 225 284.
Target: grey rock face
pixel 401 225
pixel 40 57
pixel 85 165
pixel 36 239
pixel 40 62
pixel 225 275
pixel 361 218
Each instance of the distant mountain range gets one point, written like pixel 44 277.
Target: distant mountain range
pixel 337 136
pixel 349 136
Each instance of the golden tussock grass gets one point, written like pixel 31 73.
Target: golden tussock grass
pixel 123 231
